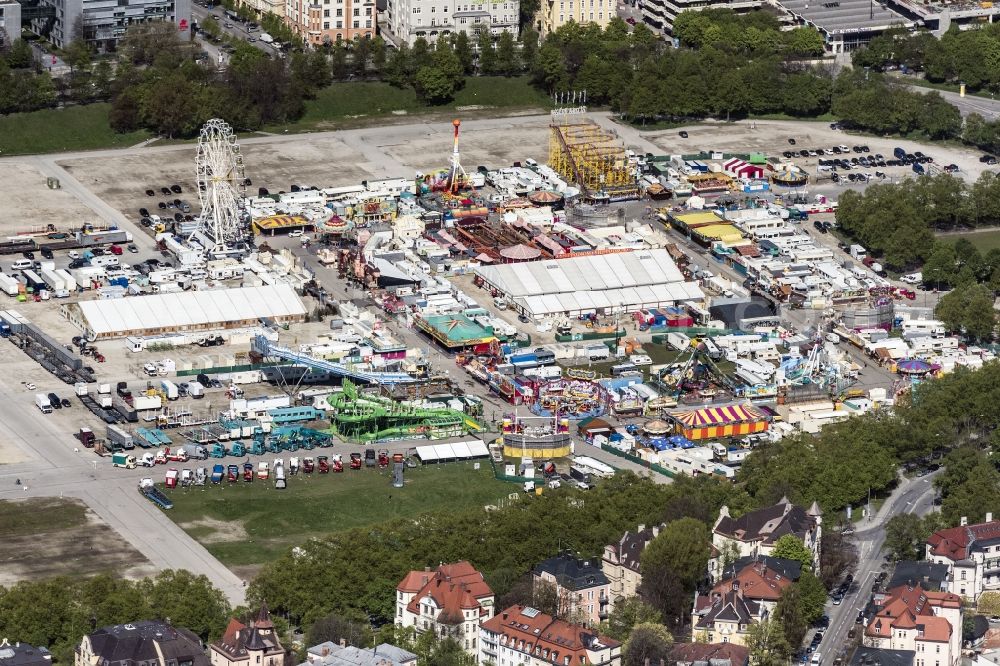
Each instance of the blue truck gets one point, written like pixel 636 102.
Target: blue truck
pixel 148 490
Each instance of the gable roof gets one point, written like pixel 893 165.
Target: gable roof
pixel 956 543
pixel 757 580
pixel 767 524
pixel 930 576
pixel 571 572
pixel 730 606
pixel 238 638
pixel 909 607
pixel 524 628
pixel 629 548
pixel 453 588
pixel 710 654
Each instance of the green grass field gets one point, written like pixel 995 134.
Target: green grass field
pixel 54 130
pixel 23 517
pixel 248 524
pixel 983 240
pixel 371 99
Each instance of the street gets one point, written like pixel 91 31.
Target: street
pixel 913 495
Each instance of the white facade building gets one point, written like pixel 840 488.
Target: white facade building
pixel 409 19
pixel 972 555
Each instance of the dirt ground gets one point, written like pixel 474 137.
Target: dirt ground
pixel 771 138
pixel 86 548
pixel 28 203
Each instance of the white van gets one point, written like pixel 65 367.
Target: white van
pixel 817 658
pixel 500 302
pixel 22 264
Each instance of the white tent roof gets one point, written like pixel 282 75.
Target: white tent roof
pixel 473 448
pixel 190 308
pixel 626 279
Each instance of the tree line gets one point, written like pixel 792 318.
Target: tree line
pixel 57 612
pixel 971 57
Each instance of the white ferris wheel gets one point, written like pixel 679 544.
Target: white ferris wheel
pixel 221 183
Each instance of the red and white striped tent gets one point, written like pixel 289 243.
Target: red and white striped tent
pixel 737 168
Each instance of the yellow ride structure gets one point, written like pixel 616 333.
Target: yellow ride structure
pixel 594 158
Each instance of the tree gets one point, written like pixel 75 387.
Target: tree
pixel 767 643
pixel 529 47
pixel 335 628
pixel 812 597
pixel 488 64
pixel 189 601
pixel 988 604
pixel 683 547
pixel 649 643
pixel 836 556
pixel 968 308
pixel 790 547
pixel 463 50
pixel 939 270
pixel 905 537
pixel 626 614
pixel 507 63
pixel 788 612
pixel 545 597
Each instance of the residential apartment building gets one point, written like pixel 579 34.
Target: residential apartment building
pixel 583 592
pixel 911 618
pixel 522 635
pixel 972 555
pixel 452 601
pixel 22 654
pixel 151 643
pixel 554 14
pixel 621 562
pixel 104 23
pixel 252 644
pixel 748 591
pixel 660 15
pixel 726 618
pixel 756 532
pixel 409 19
pixel 321 22
pixel 10 21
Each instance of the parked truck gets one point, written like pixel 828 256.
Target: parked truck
pixel 217 473
pixel 142 403
pixel 120 437
pixel 148 490
pixel 279 476
pixel 123 460
pixel 9 284
pixel 196 390
pixel 195 452
pixel 170 389
pixel 42 402
pixel 86 437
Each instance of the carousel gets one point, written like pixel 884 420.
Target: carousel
pixel 571 399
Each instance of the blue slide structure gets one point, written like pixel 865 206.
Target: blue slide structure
pixel 261 345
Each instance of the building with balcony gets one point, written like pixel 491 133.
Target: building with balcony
pixel 151 643
pixel 911 618
pixel 659 15
pixel 321 22
pixel 709 654
pixel 451 601
pixel 555 13
pixel 522 635
pixel 621 561
pixel 972 555
pixel 103 23
pixel 583 592
pixel 406 20
pixel 251 644
pixel 755 533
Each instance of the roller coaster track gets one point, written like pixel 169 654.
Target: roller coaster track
pixel 261 345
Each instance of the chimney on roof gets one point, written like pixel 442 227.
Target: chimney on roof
pixel 343 643
pixel 963 521
pixel 505 615
pixel 989 516
pixel 325 652
pixel 427 569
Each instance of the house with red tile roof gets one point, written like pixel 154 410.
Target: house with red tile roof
pixel 252 644
pixel 525 635
pixel 710 654
pixel 909 617
pixel 972 555
pixel 451 600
